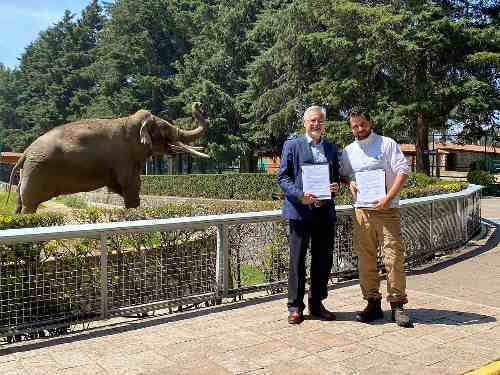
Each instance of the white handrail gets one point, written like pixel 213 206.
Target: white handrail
pixel 10 236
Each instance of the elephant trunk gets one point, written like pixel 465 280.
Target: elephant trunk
pixel 188 136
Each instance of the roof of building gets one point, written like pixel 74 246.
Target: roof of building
pixel 446 148
pixel 9 157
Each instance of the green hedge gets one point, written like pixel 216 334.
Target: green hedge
pixel 29 250
pixel 480 177
pixel 247 186
pixel 31 220
pixel 260 187
pixel 101 215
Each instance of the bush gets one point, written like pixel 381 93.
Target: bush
pixel 101 215
pixel 417 180
pixel 246 186
pixel 479 165
pixel 7 208
pixel 71 201
pixel 480 177
pixel 29 250
pixel 261 187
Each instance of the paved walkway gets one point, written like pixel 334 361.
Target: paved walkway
pixel 456 305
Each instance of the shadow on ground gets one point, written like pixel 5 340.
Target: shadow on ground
pixel 490 244
pixel 427 317
pixel 419 315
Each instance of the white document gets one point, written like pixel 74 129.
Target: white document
pixel 371 186
pixel 316 180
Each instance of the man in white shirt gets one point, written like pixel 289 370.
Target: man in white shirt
pixel 379 219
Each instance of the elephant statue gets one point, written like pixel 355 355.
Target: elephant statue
pixel 89 154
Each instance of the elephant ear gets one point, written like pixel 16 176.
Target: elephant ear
pixel 144 132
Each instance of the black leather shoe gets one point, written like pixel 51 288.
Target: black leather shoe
pixel 400 316
pixel 295 317
pixel 373 311
pixel 320 312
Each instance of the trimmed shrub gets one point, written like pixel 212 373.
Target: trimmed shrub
pixel 244 186
pixel 101 215
pixel 30 250
pixel 480 177
pixel 264 187
pixel 420 180
pixel 480 165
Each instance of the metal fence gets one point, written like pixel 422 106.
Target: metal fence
pixel 54 277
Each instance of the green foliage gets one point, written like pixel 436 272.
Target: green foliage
pixel 402 60
pixel 28 250
pixel 136 54
pixel 480 177
pixel 479 165
pixel 276 256
pixel 442 188
pixel 257 65
pixel 201 207
pixel 71 201
pixel 55 84
pixel 251 275
pixel 31 220
pixel 251 186
pixel 7 209
pixel 420 180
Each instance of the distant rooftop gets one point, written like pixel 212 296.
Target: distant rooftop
pixel 451 147
pixel 9 157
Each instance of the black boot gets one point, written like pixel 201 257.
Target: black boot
pixel 400 315
pixel 372 311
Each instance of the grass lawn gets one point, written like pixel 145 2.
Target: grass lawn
pixel 10 207
pixel 251 275
pixel 71 201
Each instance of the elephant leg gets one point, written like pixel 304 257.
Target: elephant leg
pixel 31 195
pixel 31 209
pixel 131 192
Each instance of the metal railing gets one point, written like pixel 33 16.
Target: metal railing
pixel 53 277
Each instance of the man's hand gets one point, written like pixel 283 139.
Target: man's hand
pixel 353 188
pixel 334 187
pixel 309 198
pixel 383 203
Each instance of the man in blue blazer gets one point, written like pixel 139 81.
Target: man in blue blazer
pixel 310 220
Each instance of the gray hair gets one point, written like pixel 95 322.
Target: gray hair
pixel 314 109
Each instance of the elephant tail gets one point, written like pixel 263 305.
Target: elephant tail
pixel 19 165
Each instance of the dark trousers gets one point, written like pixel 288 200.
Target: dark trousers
pixel 320 231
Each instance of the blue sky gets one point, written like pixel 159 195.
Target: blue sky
pixel 21 21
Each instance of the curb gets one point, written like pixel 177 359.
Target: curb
pixel 490 369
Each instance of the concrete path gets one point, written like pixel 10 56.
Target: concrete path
pixel 456 305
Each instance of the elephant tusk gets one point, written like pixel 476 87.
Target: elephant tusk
pixel 190 149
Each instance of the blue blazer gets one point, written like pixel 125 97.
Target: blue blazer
pixel 297 152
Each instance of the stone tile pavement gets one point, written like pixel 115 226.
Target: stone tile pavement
pixel 455 303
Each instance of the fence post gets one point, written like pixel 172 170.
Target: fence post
pixel 104 276
pixel 431 231
pixel 461 202
pixel 222 262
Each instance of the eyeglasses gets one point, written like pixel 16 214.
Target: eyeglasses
pixel 315 121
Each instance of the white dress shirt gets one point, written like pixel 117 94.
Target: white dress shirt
pixel 374 152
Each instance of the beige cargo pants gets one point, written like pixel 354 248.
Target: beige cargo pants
pixel 372 227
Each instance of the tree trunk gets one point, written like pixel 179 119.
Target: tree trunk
pixel 422 145
pixel 248 162
pixel 189 164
